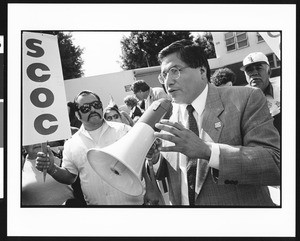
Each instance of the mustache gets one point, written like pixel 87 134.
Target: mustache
pixel 92 113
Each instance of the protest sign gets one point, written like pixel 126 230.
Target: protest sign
pixel 45 113
pixel 273 40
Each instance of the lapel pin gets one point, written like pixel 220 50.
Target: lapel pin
pixel 218 124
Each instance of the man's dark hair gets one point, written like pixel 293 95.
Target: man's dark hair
pixel 140 85
pixel 223 76
pixel 83 93
pixel 189 52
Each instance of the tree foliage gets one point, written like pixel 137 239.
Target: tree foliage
pixel 140 49
pixel 205 40
pixel 70 55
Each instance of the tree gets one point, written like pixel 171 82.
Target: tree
pixel 205 40
pixel 70 55
pixel 140 49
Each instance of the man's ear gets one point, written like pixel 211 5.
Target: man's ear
pixel 202 70
pixel 269 71
pixel 78 115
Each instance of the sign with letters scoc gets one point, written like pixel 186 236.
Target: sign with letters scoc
pixel 45 113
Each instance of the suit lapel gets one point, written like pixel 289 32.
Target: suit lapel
pixel 211 130
pixel 211 124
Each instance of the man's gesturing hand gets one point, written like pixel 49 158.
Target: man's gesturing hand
pixel 186 141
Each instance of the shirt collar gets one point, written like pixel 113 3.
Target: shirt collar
pixel 269 90
pixel 101 129
pixel 150 94
pixel 198 103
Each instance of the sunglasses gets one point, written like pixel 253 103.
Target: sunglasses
pixel 88 106
pixel 115 116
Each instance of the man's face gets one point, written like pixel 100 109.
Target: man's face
pixel 257 75
pixel 92 117
pixel 140 95
pixel 189 85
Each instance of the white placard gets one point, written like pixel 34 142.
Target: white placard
pixel 45 113
pixel 273 40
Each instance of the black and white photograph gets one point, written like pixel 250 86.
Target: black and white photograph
pixel 122 115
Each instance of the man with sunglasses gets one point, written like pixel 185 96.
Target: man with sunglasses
pixel 220 146
pixel 94 132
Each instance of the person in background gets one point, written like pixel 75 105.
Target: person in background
pixel 74 122
pixel 132 104
pixel 141 104
pixel 35 191
pixel 223 77
pixel 143 91
pixel 220 146
pixel 95 132
pixel 258 71
pixel 112 113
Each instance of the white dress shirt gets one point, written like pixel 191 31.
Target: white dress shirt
pixel 96 191
pixel 199 106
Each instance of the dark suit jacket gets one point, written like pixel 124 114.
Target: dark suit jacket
pixel 137 112
pixel 249 150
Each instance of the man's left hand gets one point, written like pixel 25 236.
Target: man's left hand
pixel 186 141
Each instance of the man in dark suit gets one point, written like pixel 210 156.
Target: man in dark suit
pixel 220 146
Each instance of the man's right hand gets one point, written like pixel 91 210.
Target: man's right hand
pixel 45 160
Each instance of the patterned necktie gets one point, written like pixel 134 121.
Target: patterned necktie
pixel 192 163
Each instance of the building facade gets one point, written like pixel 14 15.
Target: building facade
pixel 231 48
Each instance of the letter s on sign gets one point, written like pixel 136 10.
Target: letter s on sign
pixel 39 52
pixel 38 124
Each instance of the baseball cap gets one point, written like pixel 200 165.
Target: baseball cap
pixel 252 58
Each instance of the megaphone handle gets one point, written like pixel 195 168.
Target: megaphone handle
pixel 154 183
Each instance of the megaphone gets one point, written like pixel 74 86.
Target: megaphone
pixel 120 164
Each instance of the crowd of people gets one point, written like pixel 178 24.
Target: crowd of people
pixel 219 144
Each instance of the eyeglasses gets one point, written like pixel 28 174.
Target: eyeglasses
pixel 173 73
pixel 115 116
pixel 85 108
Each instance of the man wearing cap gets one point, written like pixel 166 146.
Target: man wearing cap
pixel 257 71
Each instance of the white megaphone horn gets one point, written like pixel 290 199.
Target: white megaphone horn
pixel 120 164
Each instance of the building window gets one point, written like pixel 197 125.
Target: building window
pixel 236 40
pixel 274 61
pixel 259 38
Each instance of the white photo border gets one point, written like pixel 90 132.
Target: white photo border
pixel 217 222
